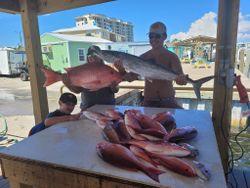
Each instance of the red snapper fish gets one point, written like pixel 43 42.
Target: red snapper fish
pixel 166 119
pixel 114 114
pixel 131 124
pixel 168 149
pixel 182 133
pixel 95 115
pixel 147 122
pixel 138 152
pixel 120 156
pixel 183 166
pixel 91 76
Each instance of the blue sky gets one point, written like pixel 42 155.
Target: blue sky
pixel 183 18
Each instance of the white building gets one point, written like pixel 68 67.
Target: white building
pixel 94 31
pixel 110 24
pixel 134 48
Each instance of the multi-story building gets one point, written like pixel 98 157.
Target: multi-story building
pixel 112 25
pixel 94 31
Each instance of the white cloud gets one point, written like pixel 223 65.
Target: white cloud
pixel 204 26
pixel 207 25
pixel 244 28
pixel 179 36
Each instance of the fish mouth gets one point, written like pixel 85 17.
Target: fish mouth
pixel 202 171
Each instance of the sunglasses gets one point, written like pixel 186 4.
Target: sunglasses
pixel 155 35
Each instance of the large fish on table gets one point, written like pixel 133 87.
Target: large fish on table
pixel 168 149
pixel 146 69
pixel 91 76
pixel 120 156
pixel 183 166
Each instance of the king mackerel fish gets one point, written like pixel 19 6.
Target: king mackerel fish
pixel 147 69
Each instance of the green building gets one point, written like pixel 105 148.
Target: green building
pixel 60 51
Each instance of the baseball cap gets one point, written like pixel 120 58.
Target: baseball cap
pixel 68 98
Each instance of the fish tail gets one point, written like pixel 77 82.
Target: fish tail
pixel 51 77
pixel 197 85
pixel 153 173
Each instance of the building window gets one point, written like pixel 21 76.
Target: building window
pixel 81 55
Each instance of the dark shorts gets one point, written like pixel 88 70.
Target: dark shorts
pixel 169 102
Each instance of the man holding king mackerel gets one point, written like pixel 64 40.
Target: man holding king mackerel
pixel 161 93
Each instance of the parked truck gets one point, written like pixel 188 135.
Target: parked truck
pixel 10 61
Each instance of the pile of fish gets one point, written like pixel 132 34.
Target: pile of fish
pixel 151 144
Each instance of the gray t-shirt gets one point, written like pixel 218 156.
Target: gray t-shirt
pixel 102 96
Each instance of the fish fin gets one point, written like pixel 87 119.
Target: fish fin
pixel 198 83
pixel 51 76
pixel 153 173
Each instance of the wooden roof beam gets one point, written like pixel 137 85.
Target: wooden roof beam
pixel 48 6
pixel 8 6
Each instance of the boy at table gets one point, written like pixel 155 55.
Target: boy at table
pixel 67 102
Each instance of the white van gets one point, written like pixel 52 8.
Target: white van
pixel 10 61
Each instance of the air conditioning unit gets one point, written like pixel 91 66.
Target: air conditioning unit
pixel 46 49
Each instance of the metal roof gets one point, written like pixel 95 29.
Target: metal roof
pixel 78 38
pixel 196 40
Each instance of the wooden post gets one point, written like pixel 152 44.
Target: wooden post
pixel 224 69
pixel 34 58
pixel 211 52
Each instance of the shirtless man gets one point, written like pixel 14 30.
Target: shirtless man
pixel 161 93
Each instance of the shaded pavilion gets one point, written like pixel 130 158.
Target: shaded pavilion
pixel 228 14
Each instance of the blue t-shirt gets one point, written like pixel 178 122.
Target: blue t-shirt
pixel 41 126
